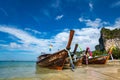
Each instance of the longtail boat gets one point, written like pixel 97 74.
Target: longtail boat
pixel 95 60
pixel 43 56
pixel 57 59
pixel 77 60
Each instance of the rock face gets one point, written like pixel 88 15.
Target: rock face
pixel 112 42
pixel 109 38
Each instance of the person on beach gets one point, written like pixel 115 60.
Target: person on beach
pixel 86 55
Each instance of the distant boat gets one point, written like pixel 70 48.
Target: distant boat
pixel 77 60
pixel 57 59
pixel 97 60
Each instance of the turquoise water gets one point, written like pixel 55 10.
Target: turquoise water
pixel 17 69
pixel 29 71
pixel 21 70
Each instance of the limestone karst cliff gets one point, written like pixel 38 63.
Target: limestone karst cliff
pixel 109 38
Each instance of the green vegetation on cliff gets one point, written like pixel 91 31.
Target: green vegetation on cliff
pixel 98 53
pixel 116 53
pixel 107 34
pixel 110 34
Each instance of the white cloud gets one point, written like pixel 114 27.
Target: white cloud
pixel 27 41
pixel 84 37
pixel 35 31
pixel 116 4
pixel 89 36
pixel 22 35
pixel 115 25
pixel 31 43
pixel 96 23
pixel 91 6
pixel 59 17
pixel 14 45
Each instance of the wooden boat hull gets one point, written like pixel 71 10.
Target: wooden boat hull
pixel 96 60
pixel 42 57
pixel 77 63
pixel 54 61
pixel 78 60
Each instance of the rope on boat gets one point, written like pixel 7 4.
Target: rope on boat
pixel 71 62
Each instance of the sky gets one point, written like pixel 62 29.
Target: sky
pixel 29 27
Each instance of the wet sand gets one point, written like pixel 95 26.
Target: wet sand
pixel 110 71
pixel 90 72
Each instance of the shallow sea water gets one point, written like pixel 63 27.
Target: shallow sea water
pixel 29 71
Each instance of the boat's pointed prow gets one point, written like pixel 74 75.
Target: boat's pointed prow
pixel 57 59
pixel 70 39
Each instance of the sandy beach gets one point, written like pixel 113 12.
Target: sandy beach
pixel 90 72
pixel 29 71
